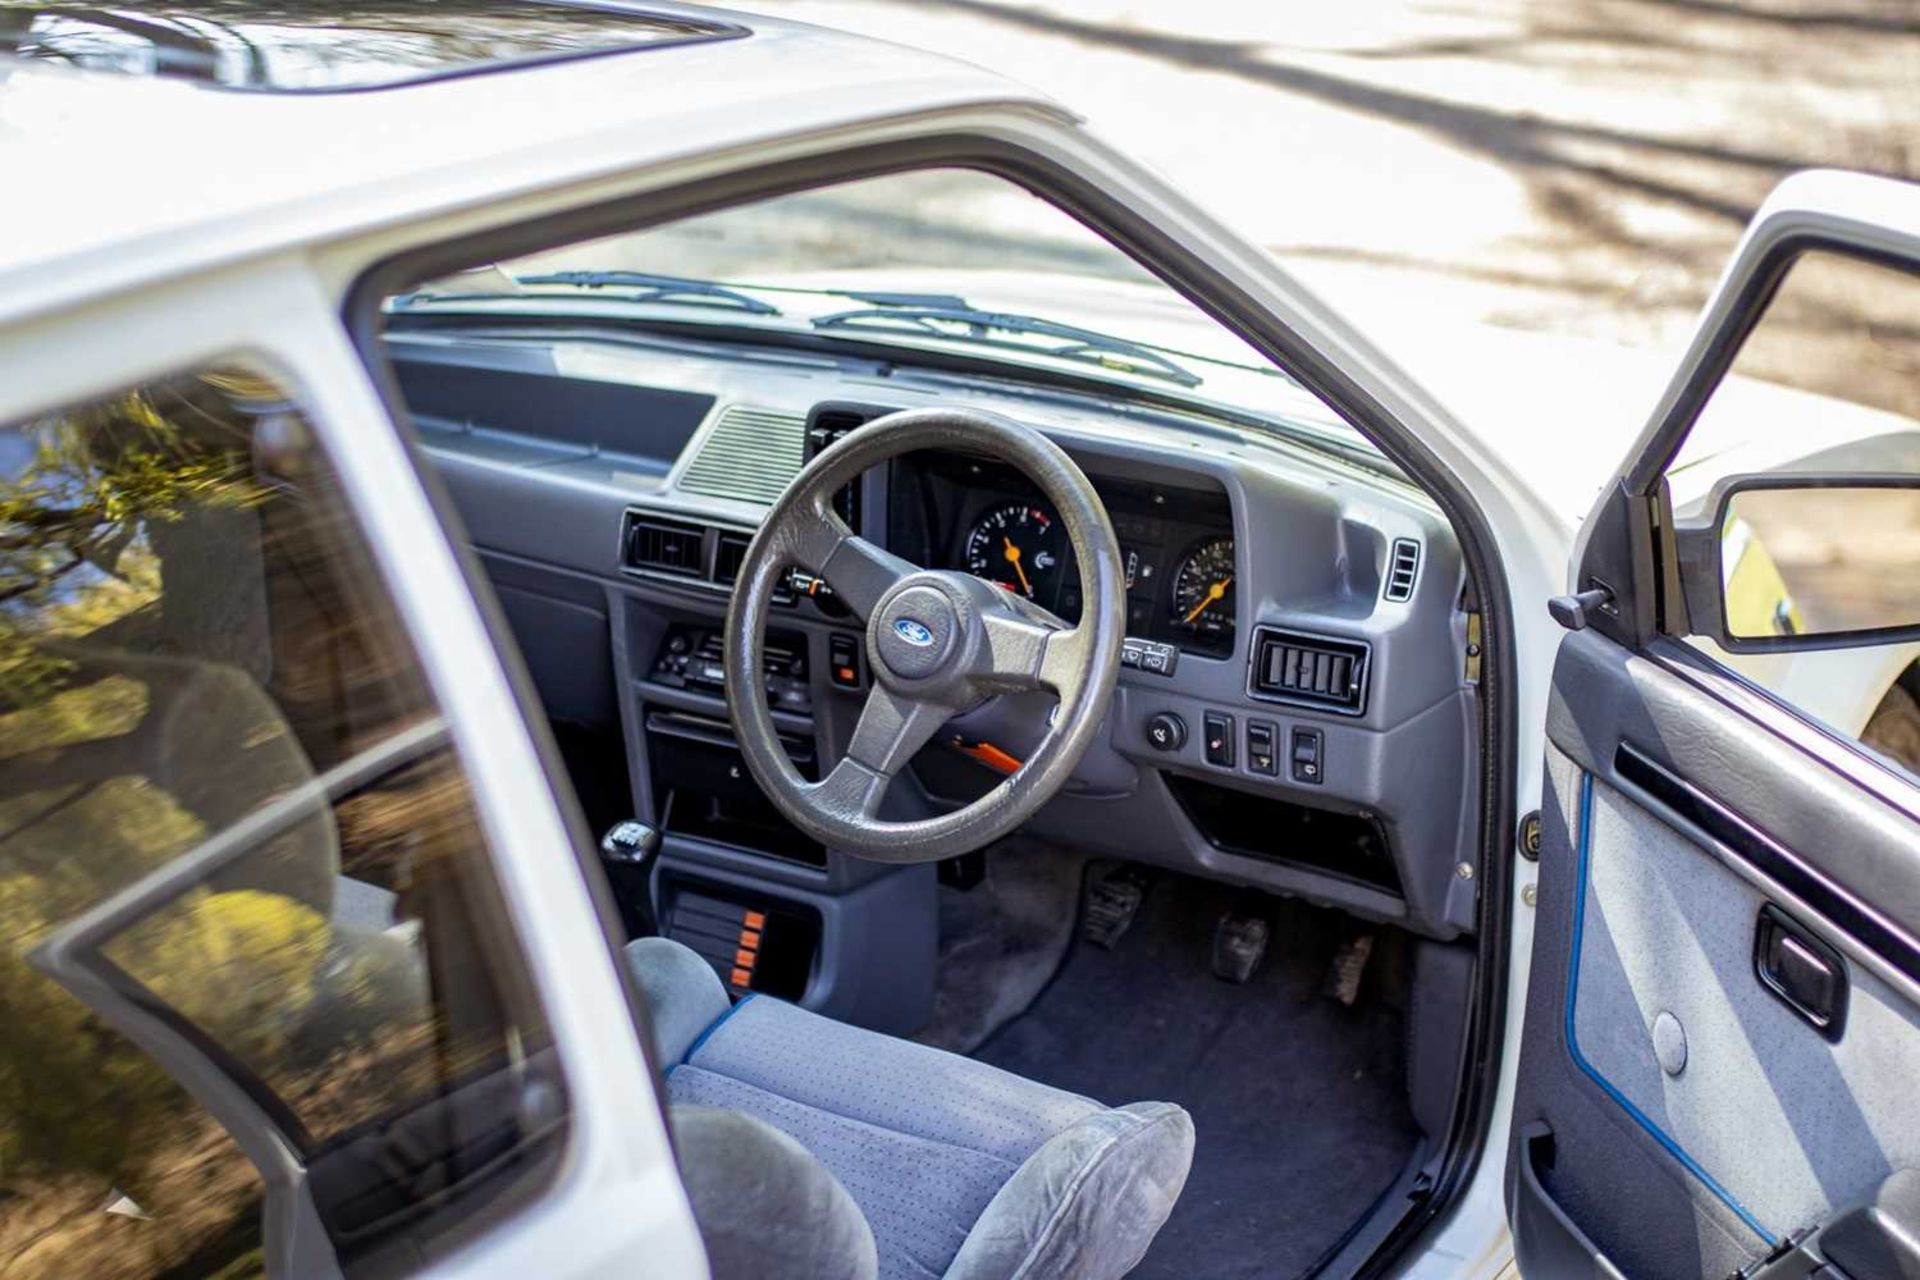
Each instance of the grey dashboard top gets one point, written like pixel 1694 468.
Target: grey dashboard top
pixel 549 445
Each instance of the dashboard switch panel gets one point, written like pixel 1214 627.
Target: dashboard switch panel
pixel 1306 757
pixel 1219 744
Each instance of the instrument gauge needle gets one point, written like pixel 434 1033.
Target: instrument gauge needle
pixel 1214 592
pixel 1013 558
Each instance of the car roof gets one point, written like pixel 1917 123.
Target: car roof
pixel 140 178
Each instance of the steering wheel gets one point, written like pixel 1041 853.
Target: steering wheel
pixel 938 642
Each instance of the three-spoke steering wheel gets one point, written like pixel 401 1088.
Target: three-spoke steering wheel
pixel 938 643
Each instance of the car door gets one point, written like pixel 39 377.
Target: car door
pixel 1720 1067
pixel 299 973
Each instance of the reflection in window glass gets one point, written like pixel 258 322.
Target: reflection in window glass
pixel 196 659
pixel 1828 383
pixel 317 45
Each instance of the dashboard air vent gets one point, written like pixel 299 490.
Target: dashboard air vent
pixel 1309 670
pixel 1403 566
pixel 666 547
pixel 750 454
pixel 730 554
pixel 828 424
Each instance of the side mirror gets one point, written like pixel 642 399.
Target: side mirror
pixel 1784 561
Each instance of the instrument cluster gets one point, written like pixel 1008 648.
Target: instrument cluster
pixel 1176 545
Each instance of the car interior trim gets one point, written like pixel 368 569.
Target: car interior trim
pixel 1226 301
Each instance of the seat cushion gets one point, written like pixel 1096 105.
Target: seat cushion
pixel 931 1145
pixel 765 1207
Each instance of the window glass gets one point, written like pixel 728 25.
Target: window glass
pixel 225 788
pixel 949 260
pixel 1827 384
pixel 323 45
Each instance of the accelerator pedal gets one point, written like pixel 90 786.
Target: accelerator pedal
pixel 1349 967
pixel 1109 903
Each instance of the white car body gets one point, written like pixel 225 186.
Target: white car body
pixel 169 224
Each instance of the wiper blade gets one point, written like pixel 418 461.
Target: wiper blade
pixel 967 324
pixel 657 288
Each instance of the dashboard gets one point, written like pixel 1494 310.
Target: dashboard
pixel 1296 708
pixel 950 511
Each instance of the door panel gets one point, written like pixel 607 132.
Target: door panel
pixel 1671 822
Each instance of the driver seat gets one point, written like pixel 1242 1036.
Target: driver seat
pixel 917 1163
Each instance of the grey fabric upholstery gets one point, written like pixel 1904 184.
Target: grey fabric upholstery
pixel 684 995
pixel 1087 1204
pixel 765 1208
pixel 959 1168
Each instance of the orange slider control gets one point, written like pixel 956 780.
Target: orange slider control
pixel 748 951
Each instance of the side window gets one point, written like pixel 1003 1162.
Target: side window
pixel 1825 387
pixel 233 836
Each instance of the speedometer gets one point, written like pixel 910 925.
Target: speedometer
pixel 1019 546
pixel 1203 589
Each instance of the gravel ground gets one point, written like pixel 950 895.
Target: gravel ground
pixel 1569 166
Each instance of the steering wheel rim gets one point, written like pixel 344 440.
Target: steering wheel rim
pixel 937 642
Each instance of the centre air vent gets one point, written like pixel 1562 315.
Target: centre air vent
pixel 1309 670
pixel 1403 566
pixel 665 546
pixel 729 554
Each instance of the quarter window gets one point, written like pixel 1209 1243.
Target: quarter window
pixel 241 874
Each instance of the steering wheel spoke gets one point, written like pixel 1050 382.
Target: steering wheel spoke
pixel 1035 651
pixel 860 572
pixel 892 727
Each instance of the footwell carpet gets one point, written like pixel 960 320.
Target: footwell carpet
pixel 1298 1102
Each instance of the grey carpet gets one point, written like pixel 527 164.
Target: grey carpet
pixel 1002 941
pixel 1297 1101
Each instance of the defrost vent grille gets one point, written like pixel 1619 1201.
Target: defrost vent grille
pixel 750 455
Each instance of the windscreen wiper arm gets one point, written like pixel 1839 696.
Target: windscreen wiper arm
pixel 967 324
pixel 657 288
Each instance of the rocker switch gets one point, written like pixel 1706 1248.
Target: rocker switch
pixel 1306 756
pixel 1219 731
pixel 1260 757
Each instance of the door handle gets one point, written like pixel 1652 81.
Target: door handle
pixel 1801 970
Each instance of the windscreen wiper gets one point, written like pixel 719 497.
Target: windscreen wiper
pixel 968 324
pixel 657 288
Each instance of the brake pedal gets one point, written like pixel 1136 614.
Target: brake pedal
pixel 1348 968
pixel 1110 903
pixel 1239 945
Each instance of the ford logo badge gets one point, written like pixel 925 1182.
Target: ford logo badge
pixel 914 633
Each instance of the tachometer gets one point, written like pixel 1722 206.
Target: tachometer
pixel 1203 589
pixel 1019 546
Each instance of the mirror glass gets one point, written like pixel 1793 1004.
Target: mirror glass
pixel 1820 561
